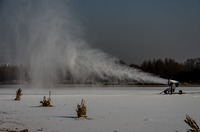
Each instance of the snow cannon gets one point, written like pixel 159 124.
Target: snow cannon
pixel 173 84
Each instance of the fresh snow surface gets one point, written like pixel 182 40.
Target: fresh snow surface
pixel 120 109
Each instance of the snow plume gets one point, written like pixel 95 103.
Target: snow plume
pixel 44 36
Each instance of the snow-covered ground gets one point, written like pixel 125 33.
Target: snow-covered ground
pixel 121 109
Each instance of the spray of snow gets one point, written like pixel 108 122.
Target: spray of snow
pixel 45 36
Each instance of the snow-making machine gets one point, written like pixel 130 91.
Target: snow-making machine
pixel 173 84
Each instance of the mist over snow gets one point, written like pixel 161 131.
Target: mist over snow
pixel 45 36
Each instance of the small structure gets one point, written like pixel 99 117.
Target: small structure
pixel 81 109
pixel 18 94
pixel 46 103
pixel 192 123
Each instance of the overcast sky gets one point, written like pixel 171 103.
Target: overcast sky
pixel 138 30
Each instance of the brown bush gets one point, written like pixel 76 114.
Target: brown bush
pixel 192 123
pixel 18 94
pixel 81 110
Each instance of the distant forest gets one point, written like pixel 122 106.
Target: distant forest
pixel 186 72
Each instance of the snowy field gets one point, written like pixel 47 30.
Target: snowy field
pixel 113 109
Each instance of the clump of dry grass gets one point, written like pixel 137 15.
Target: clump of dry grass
pixel 81 109
pixel 46 103
pixel 192 123
pixel 25 130
pixel 18 94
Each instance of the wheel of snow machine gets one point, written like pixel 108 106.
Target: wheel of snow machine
pixel 180 92
pixel 166 92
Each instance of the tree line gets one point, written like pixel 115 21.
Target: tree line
pixel 13 74
pixel 187 72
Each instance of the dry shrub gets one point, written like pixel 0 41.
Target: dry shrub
pixel 81 109
pixel 25 130
pixel 46 103
pixel 18 94
pixel 192 123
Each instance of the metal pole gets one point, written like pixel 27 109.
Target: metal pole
pixel 171 89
